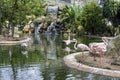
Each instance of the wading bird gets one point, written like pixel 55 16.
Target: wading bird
pixel 106 39
pixel 68 42
pixel 67 49
pixel 25 44
pixel 81 47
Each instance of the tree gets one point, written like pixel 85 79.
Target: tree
pixel 15 11
pixel 92 19
pixel 111 11
pixel 1 15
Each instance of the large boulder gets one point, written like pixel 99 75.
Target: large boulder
pixel 114 47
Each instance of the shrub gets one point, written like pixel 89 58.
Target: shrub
pixel 92 19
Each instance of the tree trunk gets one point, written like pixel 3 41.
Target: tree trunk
pixel 0 29
pixel 12 31
pixel 15 6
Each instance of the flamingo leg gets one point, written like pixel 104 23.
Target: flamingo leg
pixel 82 59
pixel 101 59
pixel 94 56
pixel 83 56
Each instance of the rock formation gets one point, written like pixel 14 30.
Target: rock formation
pixel 113 47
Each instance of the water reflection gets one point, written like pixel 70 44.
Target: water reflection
pixel 39 61
pixel 30 73
pixel 51 50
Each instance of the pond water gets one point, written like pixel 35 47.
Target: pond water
pixel 42 59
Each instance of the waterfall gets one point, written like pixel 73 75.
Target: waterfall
pixel 51 28
pixel 52 11
pixel 37 29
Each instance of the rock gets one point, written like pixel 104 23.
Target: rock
pixel 26 28
pixel 52 11
pixel 114 47
pixel 40 19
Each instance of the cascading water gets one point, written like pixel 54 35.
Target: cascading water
pixel 51 28
pixel 52 13
pixel 37 29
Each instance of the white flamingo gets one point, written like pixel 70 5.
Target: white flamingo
pixel 106 39
pixel 25 44
pixel 25 53
pixel 81 47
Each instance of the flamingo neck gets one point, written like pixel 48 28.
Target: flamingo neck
pixel 75 44
pixel 69 36
pixel 105 40
pixel 89 49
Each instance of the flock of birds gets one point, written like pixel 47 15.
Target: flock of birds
pixel 81 47
pixel 100 47
pixel 95 47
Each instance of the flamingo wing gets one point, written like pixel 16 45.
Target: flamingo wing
pixel 67 42
pixel 83 47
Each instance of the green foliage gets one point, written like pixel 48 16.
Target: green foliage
pixel 111 11
pixel 80 30
pixel 35 8
pixel 15 11
pixel 70 15
pixel 92 19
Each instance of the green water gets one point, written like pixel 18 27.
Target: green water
pixel 42 59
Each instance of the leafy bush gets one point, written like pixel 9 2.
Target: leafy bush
pixel 70 16
pixel 92 19
pixel 15 11
pixel 111 11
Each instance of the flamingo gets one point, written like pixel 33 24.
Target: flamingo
pixel 25 44
pixel 100 50
pixel 25 53
pixel 106 39
pixel 67 49
pixel 102 46
pixel 81 47
pixel 98 46
pixel 67 42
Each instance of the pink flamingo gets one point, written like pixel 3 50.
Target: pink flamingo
pixel 81 47
pixel 67 42
pixel 100 47
pixel 96 46
pixel 99 50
